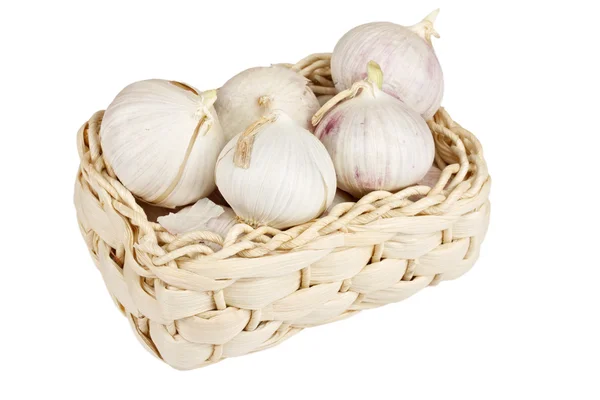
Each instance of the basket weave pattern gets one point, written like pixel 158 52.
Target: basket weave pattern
pixel 192 306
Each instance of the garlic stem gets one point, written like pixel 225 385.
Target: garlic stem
pixel 209 97
pixel 243 149
pixel 425 28
pixel 374 74
pixel 338 98
pixel 374 77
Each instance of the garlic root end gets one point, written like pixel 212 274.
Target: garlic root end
pixel 265 101
pixel 375 74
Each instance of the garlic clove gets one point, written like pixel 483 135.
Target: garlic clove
pixel 162 139
pixel 276 173
pixel 255 92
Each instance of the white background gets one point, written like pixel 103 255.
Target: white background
pixel 522 324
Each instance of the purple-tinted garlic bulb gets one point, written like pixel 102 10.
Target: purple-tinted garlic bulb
pixel 413 72
pixel 376 141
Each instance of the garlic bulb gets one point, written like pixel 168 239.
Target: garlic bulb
pixel 276 173
pixel 255 92
pixel 414 74
pixel 202 216
pixel 162 139
pixel 375 140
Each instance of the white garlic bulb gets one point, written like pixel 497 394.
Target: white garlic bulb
pixel 257 91
pixel 413 72
pixel 203 215
pixel 162 139
pixel 276 173
pixel 375 140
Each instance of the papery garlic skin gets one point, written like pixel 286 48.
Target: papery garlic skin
pixel 204 215
pixel 257 91
pixel 162 139
pixel 223 223
pixel 376 142
pixel 191 218
pixel 276 173
pixel 405 54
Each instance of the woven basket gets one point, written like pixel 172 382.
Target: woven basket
pixel 191 306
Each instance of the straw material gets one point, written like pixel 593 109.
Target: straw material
pixel 192 306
